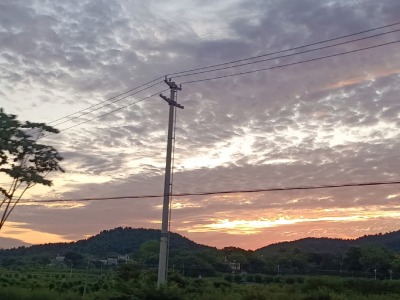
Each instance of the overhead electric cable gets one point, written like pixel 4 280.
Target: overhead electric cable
pixel 138 87
pixel 291 64
pixel 220 192
pixel 108 112
pixel 291 49
pixel 216 65
pixel 85 113
pixel 288 55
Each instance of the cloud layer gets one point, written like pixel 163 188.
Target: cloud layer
pixel 324 122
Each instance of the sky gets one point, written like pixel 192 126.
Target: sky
pixel 330 121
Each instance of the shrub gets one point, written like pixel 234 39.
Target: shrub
pixel 221 283
pixel 254 293
pixel 249 278
pixel 300 279
pixel 258 278
pixel 179 280
pixel 17 294
pixel 322 293
pixel 237 278
pixel 228 277
pixel 290 280
pixel 315 283
pixel 163 293
pixel 64 286
pixel 268 279
pixel 128 271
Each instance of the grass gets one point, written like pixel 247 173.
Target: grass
pixel 59 286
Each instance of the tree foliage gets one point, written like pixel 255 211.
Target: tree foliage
pixel 23 159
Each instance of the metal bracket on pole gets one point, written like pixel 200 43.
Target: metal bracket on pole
pixel 172 84
pixel 172 102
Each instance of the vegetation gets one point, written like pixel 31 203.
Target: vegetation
pixel 132 282
pixel 107 243
pixel 196 272
pixel 23 159
pixel 389 240
pixel 142 246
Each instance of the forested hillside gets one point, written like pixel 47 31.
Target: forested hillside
pixel 306 256
pixel 389 240
pixel 118 241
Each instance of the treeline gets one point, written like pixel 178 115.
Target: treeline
pixel 108 242
pixel 210 261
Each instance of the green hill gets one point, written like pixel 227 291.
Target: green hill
pixel 128 240
pixel 389 240
pixel 119 240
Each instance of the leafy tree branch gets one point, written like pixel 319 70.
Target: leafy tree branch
pixel 23 159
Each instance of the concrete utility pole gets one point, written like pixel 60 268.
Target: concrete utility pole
pixel 162 262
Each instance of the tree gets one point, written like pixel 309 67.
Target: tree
pixel 131 270
pixel 375 257
pixel 23 159
pixel 74 258
pixel 148 250
pixel 352 259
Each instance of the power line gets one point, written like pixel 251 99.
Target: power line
pixel 220 192
pixel 109 103
pixel 231 74
pixel 291 49
pixel 295 48
pixel 288 55
pixel 236 74
pixel 235 61
pixel 107 100
pixel 108 112
pixel 291 64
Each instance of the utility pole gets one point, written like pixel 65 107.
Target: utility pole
pixel 84 290
pixel 162 262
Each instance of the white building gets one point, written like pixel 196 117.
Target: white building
pixel 235 266
pixel 112 261
pixel 124 257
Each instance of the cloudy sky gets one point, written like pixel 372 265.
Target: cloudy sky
pixel 329 121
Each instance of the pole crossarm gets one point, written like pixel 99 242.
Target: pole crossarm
pixel 171 102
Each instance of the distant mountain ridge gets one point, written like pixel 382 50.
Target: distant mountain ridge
pixel 118 240
pixel 127 240
pixel 390 240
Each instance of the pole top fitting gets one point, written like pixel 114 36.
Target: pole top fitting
pixel 173 85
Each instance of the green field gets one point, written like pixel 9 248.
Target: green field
pixel 131 281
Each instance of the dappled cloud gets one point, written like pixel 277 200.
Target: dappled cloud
pixel 329 121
